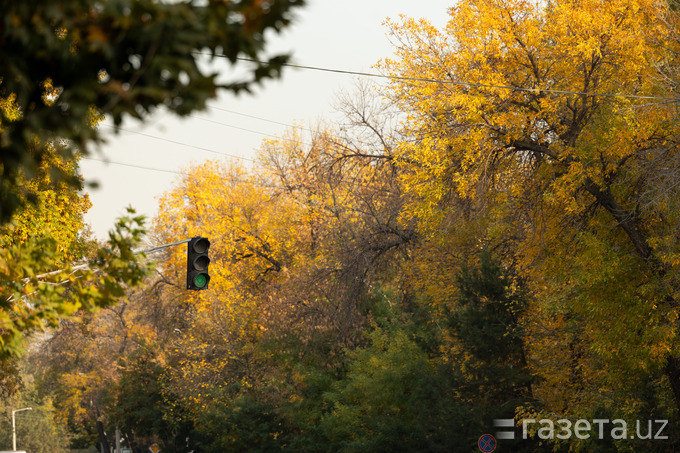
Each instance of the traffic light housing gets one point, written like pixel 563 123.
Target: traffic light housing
pixel 197 263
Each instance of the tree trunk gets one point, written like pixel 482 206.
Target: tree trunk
pixel 103 441
pixel 627 221
pixel 673 373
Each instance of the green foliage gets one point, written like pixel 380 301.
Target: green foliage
pixel 488 323
pixel 394 398
pixel 246 424
pixel 144 409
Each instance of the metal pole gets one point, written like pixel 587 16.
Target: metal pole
pixel 14 427
pixel 117 440
pixel 164 246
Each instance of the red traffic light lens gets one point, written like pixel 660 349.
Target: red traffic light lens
pixel 201 246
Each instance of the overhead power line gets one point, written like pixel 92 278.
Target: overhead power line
pixel 181 143
pixel 265 134
pixel 133 165
pixel 232 126
pixel 143 167
pixel 347 72
pixel 457 83
pixel 259 118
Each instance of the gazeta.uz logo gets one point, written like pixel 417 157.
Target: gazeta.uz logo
pixel 599 428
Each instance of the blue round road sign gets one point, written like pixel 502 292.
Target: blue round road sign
pixel 487 443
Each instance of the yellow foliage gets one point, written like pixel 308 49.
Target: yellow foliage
pixel 547 138
pixel 592 47
pixel 57 211
pixel 252 230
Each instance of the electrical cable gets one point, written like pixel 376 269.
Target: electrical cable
pixel 192 146
pixel 347 72
pixel 134 166
pixel 142 167
pixel 235 127
pixel 454 82
pixel 258 118
pixel 180 143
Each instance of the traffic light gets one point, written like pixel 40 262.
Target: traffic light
pixel 197 263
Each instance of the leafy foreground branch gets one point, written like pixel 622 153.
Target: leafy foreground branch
pixel 34 296
pixel 67 63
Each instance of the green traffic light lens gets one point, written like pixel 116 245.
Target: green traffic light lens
pixel 200 280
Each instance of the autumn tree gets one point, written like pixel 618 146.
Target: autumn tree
pixel 49 267
pixel 539 129
pixel 108 369
pixel 350 201
pixel 57 210
pixel 299 248
pixel 52 271
pixel 510 248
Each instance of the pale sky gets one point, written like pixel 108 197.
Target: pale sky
pixel 347 35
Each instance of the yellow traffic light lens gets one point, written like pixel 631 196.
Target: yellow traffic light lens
pixel 201 263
